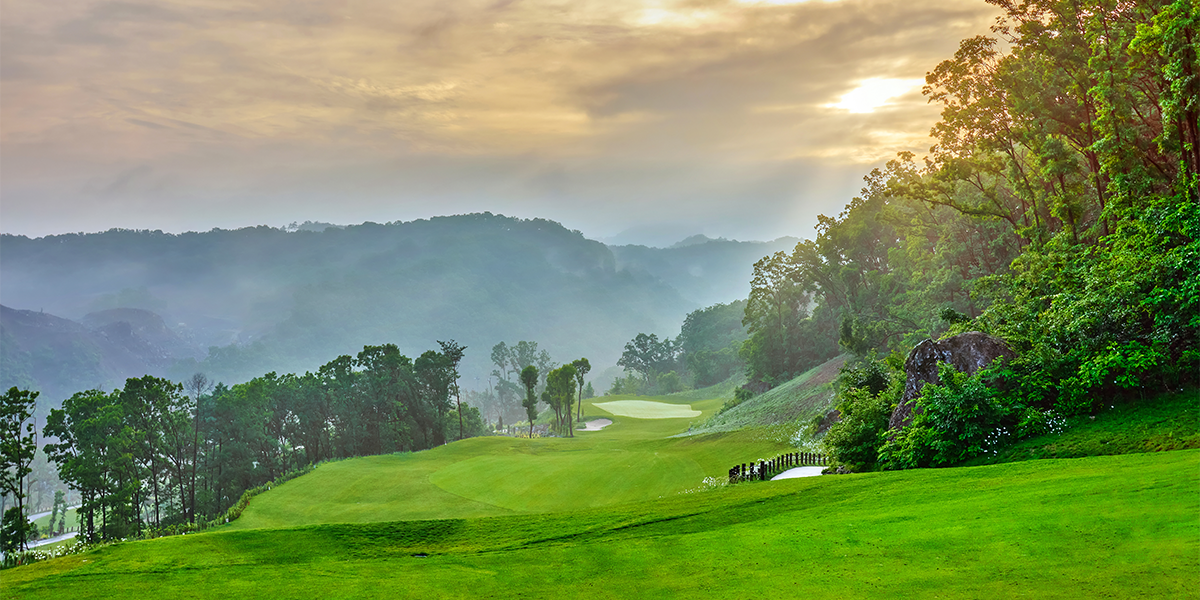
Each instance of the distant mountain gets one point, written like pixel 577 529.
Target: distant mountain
pixel 695 240
pixel 703 270
pixel 237 304
pixel 58 356
pixel 145 325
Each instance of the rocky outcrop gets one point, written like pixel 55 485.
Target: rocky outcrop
pixel 967 352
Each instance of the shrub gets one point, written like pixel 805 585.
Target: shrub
pixel 963 418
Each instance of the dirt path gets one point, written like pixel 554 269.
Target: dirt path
pixel 65 536
pixel 799 472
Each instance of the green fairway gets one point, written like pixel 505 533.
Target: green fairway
pixel 44 521
pixel 631 460
pixel 643 409
pixel 1100 527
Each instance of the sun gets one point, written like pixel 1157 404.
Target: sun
pixel 874 93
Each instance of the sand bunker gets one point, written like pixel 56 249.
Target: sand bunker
pixel 645 409
pixel 595 425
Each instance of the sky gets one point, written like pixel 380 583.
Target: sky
pixel 624 119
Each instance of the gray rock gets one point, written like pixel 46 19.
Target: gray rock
pixel 967 352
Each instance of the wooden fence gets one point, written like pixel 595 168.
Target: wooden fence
pixel 766 469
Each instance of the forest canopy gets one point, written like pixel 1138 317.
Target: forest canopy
pixel 1058 210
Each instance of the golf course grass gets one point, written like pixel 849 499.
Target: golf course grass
pixel 631 460
pixel 623 513
pixel 1112 526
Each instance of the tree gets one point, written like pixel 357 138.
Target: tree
pixel 648 356
pixel 709 340
pixel 454 355
pixel 582 366
pixel 58 512
pixel 529 378
pixel 197 387
pixel 510 360
pixel 560 388
pixel 18 442
pixel 94 454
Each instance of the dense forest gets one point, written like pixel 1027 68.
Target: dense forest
pixel 1058 210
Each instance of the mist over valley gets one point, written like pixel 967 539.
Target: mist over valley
pixel 88 310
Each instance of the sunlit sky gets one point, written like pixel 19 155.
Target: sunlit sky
pixel 731 118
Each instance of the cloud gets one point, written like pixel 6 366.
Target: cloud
pixel 497 104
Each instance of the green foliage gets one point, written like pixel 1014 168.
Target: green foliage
pixel 867 395
pixel 560 389
pixel 1051 213
pixel 529 379
pixel 149 458
pixel 709 340
pixel 670 383
pixel 648 356
pixel 18 442
pixel 963 418
pixel 783 340
pixel 15 530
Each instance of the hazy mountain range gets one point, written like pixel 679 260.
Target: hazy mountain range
pixel 88 310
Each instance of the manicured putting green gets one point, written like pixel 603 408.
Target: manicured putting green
pixel 644 409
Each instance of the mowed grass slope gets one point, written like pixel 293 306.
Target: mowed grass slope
pixel 787 407
pixel 1100 527
pixel 1163 422
pixel 631 460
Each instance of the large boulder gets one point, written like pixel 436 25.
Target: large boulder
pixel 967 352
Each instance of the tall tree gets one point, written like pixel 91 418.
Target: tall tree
pixel 648 356
pixel 454 354
pixel 529 379
pixel 582 367
pixel 196 387
pixel 18 442
pixel 560 385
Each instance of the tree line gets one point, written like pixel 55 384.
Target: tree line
pixel 158 454
pixel 708 350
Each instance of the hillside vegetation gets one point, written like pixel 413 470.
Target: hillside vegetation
pixel 1167 422
pixel 790 406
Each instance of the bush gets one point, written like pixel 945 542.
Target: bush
pixel 963 418
pixel 853 442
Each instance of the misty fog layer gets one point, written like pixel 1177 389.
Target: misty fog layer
pixel 238 304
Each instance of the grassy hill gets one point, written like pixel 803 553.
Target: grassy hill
pixel 785 407
pixel 630 460
pixel 1166 422
pixel 622 512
